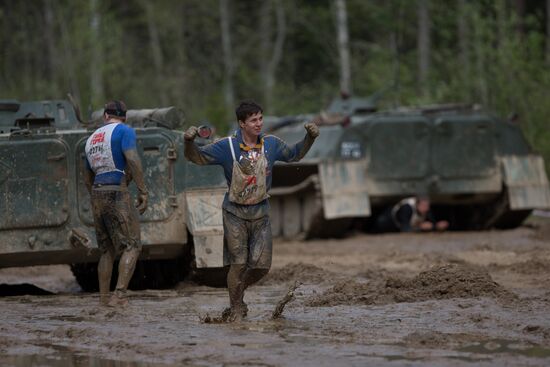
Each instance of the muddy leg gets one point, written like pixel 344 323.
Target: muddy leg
pixel 126 267
pixel 104 272
pixel 253 275
pixel 236 286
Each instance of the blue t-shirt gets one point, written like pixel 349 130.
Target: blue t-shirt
pixel 274 148
pixel 105 152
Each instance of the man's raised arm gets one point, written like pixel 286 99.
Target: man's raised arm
pixel 191 150
pixel 296 152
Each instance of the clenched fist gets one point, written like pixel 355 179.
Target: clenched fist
pixel 312 129
pixel 191 133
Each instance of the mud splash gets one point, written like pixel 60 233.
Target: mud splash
pixel 444 282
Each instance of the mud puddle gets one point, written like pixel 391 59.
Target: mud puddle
pixel 65 357
pixel 507 347
pixel 396 300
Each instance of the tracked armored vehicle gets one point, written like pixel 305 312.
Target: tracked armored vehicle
pixel 478 169
pixel 46 216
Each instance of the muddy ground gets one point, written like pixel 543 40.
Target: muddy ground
pixel 453 299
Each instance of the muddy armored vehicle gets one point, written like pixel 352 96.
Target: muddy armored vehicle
pixel 46 215
pixel 478 169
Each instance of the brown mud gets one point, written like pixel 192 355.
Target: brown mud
pixel 304 273
pixel 443 282
pixel 451 299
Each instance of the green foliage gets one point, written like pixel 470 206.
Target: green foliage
pixel 498 60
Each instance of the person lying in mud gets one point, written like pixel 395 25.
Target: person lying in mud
pixel 247 158
pixel 111 162
pixel 410 215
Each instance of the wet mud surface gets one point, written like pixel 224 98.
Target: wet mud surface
pixel 453 299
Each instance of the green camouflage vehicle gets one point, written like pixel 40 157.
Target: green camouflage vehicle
pixel 46 216
pixel 478 169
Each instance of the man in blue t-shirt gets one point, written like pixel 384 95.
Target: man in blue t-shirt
pixel 112 162
pixel 247 158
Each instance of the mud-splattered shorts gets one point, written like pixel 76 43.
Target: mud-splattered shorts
pixel 116 221
pixel 247 241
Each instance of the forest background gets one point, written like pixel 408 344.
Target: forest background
pixel 292 56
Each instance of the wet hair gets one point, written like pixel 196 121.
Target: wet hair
pixel 246 109
pixel 115 109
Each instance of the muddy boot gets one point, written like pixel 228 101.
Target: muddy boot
pixel 104 272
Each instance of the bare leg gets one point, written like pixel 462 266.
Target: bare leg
pixel 126 267
pixel 104 272
pixel 236 286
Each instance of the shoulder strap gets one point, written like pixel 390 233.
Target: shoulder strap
pixel 231 147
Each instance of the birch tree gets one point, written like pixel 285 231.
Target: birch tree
pixel 343 47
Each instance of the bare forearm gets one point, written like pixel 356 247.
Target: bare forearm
pixel 136 170
pixel 193 154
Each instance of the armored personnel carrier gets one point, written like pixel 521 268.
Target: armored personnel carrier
pixel 478 169
pixel 46 216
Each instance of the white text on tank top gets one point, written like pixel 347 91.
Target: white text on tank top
pixel 99 151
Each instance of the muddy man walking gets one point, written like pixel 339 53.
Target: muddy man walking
pixel 112 162
pixel 247 158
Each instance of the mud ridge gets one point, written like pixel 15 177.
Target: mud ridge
pixel 301 272
pixel 529 267
pixel 442 282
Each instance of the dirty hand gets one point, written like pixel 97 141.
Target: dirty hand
pixel 426 226
pixel 141 205
pixel 191 133
pixel 312 129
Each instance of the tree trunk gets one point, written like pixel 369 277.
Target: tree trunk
pixel 548 31
pixel 270 67
pixel 519 6
pixel 227 55
pixel 343 47
pixel 265 44
pixel 96 60
pixel 424 44
pixel 49 31
pixel 480 60
pixel 464 40
pixel 154 42
pixel 68 60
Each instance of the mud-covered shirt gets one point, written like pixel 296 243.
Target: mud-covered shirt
pixel 105 152
pixel 275 149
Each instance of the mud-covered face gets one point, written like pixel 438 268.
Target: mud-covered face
pixel 253 124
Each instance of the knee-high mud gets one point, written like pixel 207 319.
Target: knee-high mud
pixel 452 299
